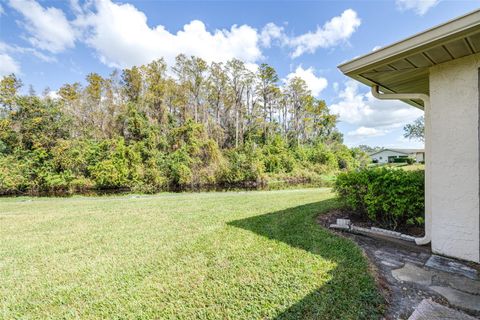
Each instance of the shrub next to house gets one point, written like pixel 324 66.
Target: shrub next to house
pixel 391 198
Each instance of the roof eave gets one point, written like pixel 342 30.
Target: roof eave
pixel 370 83
pixel 448 31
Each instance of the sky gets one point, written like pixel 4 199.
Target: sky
pixel 50 43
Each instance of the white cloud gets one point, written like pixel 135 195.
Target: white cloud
pixel 420 7
pixel 6 48
pixel 314 83
pixel 53 95
pixel 335 31
pixel 363 110
pixel 271 32
pixel 8 65
pixel 76 7
pixel 336 86
pixel 121 36
pixel 252 67
pixel 2 11
pixel 366 132
pixel 48 28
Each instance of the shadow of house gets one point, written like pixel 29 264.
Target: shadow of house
pixel 350 293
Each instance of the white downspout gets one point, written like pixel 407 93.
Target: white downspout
pixel 426 107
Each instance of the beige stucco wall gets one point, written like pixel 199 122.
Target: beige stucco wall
pixel 452 158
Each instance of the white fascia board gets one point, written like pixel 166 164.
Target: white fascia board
pixel 446 32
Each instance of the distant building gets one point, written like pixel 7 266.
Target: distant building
pixel 389 155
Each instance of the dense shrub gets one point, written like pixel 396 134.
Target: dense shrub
pixel 147 129
pixel 400 159
pixel 187 158
pixel 244 165
pixel 390 197
pixel 13 175
pixel 120 167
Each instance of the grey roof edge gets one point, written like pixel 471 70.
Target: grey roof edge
pixel 446 31
pixel 398 150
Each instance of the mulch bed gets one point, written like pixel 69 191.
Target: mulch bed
pixel 331 217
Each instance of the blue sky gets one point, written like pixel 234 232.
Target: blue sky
pixel 49 43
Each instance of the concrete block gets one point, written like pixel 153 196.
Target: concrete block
pixel 452 266
pixel 429 310
pixel 406 237
pixel 340 226
pixel 386 232
pixel 459 299
pixel 343 222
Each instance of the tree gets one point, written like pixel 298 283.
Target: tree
pixel 70 95
pixel 320 123
pixel 368 149
pixel 155 88
pixel 132 84
pixel 299 100
pixel 191 74
pixel 216 99
pixel 40 123
pixel 415 130
pixel 236 85
pixel 9 86
pixel 145 127
pixel 268 92
pixel 217 83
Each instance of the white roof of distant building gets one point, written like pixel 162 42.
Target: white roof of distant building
pixel 404 151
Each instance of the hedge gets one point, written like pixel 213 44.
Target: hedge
pixel 389 197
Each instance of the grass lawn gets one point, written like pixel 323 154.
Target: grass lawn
pixel 403 166
pixel 415 166
pixel 233 255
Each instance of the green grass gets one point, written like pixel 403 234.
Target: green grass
pixel 413 167
pixel 403 166
pixel 233 255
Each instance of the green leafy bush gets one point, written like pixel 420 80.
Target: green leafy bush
pixel 13 175
pixel 244 165
pixel 120 168
pixel 401 159
pixel 390 197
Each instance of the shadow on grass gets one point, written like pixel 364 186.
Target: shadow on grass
pixel 351 292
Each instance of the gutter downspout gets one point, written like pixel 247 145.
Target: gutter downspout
pixel 426 103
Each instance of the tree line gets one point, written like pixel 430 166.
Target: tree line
pixel 152 128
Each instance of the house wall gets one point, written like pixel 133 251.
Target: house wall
pixel 452 158
pixel 419 156
pixel 382 156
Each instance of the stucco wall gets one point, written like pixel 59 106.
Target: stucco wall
pixel 453 158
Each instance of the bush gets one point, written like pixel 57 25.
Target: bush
pixel 401 159
pixel 244 165
pixel 120 168
pixel 13 175
pixel 391 198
